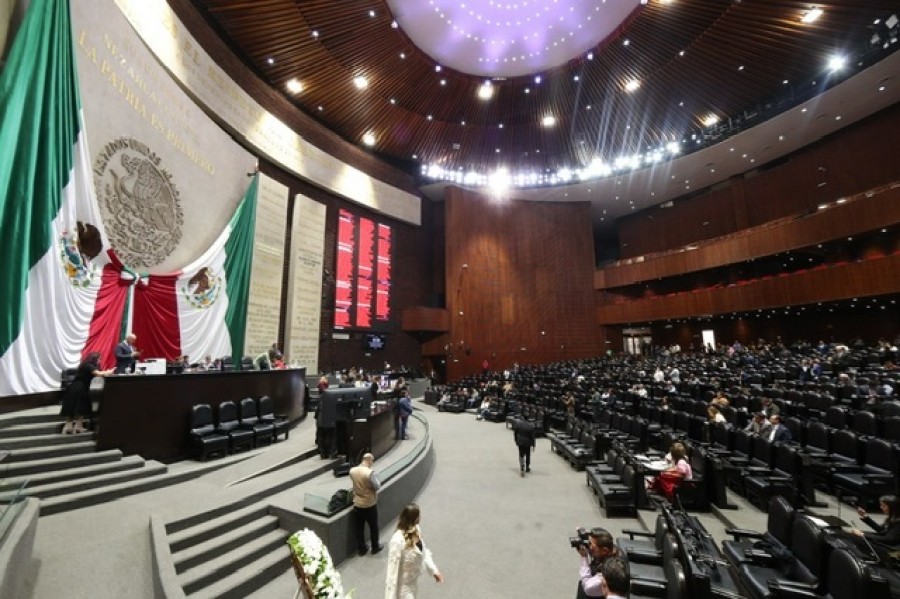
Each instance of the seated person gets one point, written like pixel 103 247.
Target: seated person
pixel 886 536
pixel 759 425
pixel 720 400
pixel 667 480
pixel 485 406
pixel 714 415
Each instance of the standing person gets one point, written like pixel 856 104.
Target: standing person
pixel 365 503
pixel 405 409
pixel 126 354
pixel 408 557
pixel 524 436
pixel 76 403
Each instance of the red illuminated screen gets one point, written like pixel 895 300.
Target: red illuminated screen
pixel 363 278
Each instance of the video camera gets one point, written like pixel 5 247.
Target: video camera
pixel 581 540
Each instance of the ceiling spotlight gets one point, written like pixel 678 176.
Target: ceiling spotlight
pixel 394 25
pixel 369 139
pixel 632 85
pixel 486 91
pixel 836 63
pixel 812 14
pixel 294 86
pixel 270 60
pixel 537 79
pixel 710 120
pixel 548 121
pixel 360 82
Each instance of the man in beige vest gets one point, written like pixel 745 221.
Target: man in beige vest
pixel 365 503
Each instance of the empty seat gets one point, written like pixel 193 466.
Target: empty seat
pixel 205 440
pixel 278 421
pixel 230 425
pixel 263 433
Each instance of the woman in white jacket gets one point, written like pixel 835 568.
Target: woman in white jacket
pixel 408 557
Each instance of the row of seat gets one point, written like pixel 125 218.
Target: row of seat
pixel 246 426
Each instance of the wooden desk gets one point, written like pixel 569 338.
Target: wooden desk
pixel 149 415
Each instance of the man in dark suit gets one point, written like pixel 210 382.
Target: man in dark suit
pixel 779 433
pixel 524 435
pixel 126 355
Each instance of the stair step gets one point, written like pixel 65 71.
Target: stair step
pixel 30 428
pixel 73 460
pixel 82 445
pixel 213 571
pixel 150 469
pixel 237 537
pixel 246 580
pixel 38 417
pixel 204 531
pixel 55 476
pixel 39 441
pixel 72 501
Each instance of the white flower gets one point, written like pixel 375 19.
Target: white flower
pixel 313 555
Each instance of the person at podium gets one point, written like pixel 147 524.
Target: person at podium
pixel 126 355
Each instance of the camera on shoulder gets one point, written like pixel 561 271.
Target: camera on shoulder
pixel 581 539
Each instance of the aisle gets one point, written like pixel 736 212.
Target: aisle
pixel 493 534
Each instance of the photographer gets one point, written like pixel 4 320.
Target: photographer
pixel 595 547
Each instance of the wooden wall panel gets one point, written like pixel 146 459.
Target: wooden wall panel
pixel 519 282
pixel 847 162
pixel 862 279
pixel 858 215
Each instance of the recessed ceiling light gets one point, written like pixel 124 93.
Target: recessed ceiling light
pixel 632 85
pixel 443 82
pixel 836 63
pixel 393 100
pixel 437 68
pixel 372 13
pixel 710 120
pixel 315 33
pixel 485 91
pixel 403 56
pixel 369 139
pixel 548 121
pixel 360 82
pixel 394 25
pixel 627 42
pixel 537 79
pixel 294 86
pixel 812 14
pixel 270 60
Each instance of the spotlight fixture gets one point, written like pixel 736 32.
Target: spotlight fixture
pixel 632 85
pixel 548 121
pixel 812 15
pixel 369 139
pixel 486 91
pixel 294 86
pixel 836 63
pixel 360 82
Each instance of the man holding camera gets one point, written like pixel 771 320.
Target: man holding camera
pixel 595 547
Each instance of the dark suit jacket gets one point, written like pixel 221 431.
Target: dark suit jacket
pixel 887 534
pixel 124 359
pixel 523 433
pixel 782 434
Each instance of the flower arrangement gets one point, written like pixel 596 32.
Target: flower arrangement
pixel 324 580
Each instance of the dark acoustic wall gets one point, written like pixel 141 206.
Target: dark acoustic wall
pixel 847 162
pixel 518 283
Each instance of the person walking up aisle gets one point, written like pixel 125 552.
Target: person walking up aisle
pixel 408 557
pixel 524 436
pixel 365 503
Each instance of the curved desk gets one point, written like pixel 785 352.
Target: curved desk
pixel 149 415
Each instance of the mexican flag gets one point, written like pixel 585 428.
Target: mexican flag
pixel 201 310
pixel 52 240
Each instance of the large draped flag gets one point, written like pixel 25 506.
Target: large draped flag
pixel 203 309
pixel 52 241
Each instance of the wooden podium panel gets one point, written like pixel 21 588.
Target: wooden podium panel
pixel 149 415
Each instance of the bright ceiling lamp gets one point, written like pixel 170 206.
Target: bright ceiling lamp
pixel 360 82
pixel 836 63
pixel 548 121
pixel 812 14
pixel 710 120
pixel 369 139
pixel 499 181
pixel 486 91
pixel 294 86
pixel 632 85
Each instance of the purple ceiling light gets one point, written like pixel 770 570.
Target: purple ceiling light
pixel 509 38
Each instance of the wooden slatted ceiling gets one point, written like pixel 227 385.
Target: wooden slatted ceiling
pixel 593 114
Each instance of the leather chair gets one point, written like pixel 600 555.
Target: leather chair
pixel 784 478
pixel 874 478
pixel 746 543
pixel 865 424
pixel 643 546
pixel 205 440
pixel 263 433
pixel 247 363
pixel 267 416
pixel 808 567
pixel 227 363
pixel 230 425
pixel 848 578
pixel 620 496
